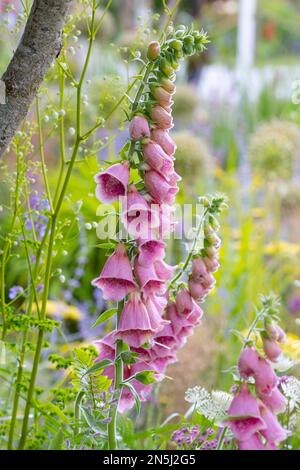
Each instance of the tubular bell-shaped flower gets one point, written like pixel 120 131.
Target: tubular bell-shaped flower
pixel 135 325
pixel 244 415
pixel 112 183
pixel 116 279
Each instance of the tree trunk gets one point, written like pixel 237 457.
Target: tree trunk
pixel 40 44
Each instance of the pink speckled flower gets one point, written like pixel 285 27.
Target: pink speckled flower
pixel 116 279
pixel 112 183
pixel 150 251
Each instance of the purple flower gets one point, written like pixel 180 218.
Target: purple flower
pixel 294 305
pixel 14 291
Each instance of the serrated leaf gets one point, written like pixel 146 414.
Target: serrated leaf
pixel 105 316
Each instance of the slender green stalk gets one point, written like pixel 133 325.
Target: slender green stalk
pixel 41 150
pixel 62 150
pixel 221 440
pixel 112 426
pixel 189 256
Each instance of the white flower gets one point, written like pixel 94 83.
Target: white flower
pixel 212 406
pixel 291 390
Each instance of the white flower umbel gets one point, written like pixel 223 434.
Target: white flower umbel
pixel 212 405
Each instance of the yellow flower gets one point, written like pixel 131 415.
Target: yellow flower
pixel 291 348
pixel 282 247
pixel 62 310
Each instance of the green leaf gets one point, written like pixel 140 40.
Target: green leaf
pixel 146 377
pixel 92 422
pixel 98 366
pixel 57 441
pixel 134 393
pixel 106 245
pixel 55 409
pixel 129 357
pixel 105 316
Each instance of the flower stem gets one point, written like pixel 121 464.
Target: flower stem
pixel 221 440
pixel 189 257
pixel 112 425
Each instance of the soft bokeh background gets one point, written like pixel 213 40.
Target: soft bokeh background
pixel 237 127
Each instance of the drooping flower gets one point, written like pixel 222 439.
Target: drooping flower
pixel 163 138
pixel 275 401
pixel 184 302
pixel 138 216
pixel 163 97
pixel 273 432
pixel 112 183
pixel 165 343
pixel 157 159
pixel 149 281
pixel 135 326
pixel 251 364
pixel 265 378
pixel 159 188
pixel 271 349
pixel 139 128
pixel 163 270
pixel 180 323
pixel 198 292
pixel 248 362
pixel 150 251
pixel 116 279
pixel 106 347
pixel 252 443
pixel 155 309
pixel 162 117
pixel 244 415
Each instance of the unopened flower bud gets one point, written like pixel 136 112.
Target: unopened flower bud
pixel 176 44
pixel 166 67
pixel 153 50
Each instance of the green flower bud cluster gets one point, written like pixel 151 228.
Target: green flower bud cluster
pixel 164 59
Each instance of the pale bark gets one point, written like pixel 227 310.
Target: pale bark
pixel 40 43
